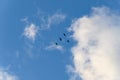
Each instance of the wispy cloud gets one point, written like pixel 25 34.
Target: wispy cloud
pixel 96 54
pixel 54 47
pixel 25 20
pixel 33 33
pixel 17 54
pixel 46 21
pixel 4 75
pixel 50 20
pixel 30 31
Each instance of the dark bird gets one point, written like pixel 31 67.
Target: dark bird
pixel 64 34
pixel 56 43
pixel 60 39
pixel 68 41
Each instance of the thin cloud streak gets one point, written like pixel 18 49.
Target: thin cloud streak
pixel 48 22
pixel 54 47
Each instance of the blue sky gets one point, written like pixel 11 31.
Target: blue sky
pixel 29 29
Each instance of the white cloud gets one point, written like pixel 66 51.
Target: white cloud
pixel 30 31
pixel 4 75
pixel 96 55
pixel 54 19
pixel 24 20
pixel 17 54
pixel 54 47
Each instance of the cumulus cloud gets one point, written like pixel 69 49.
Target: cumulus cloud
pixel 30 31
pixel 96 55
pixel 4 75
pixel 54 47
pixel 51 20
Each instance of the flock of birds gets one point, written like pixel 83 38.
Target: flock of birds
pixel 61 39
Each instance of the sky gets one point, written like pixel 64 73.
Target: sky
pixel 29 31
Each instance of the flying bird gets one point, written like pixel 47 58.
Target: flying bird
pixel 68 41
pixel 60 39
pixel 64 34
pixel 56 43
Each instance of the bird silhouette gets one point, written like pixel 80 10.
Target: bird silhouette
pixel 60 39
pixel 56 43
pixel 64 34
pixel 68 41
